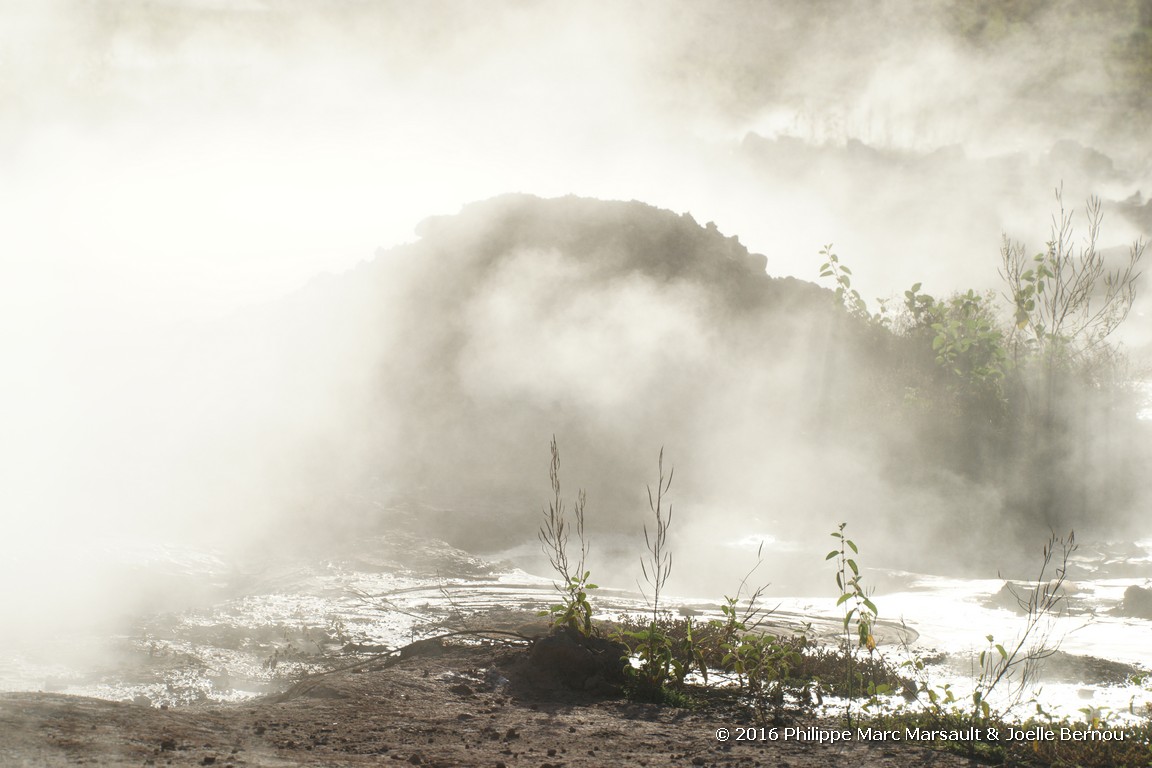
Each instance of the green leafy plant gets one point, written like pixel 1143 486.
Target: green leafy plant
pixel 762 662
pixel 966 337
pixel 574 609
pixel 841 275
pixel 764 665
pixel 860 616
pixel 861 610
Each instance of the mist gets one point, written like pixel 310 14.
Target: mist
pixel 226 328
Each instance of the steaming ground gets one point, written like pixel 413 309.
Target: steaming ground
pixel 436 372
pixel 176 175
pixel 274 619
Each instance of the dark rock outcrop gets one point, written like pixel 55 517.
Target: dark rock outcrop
pixel 1137 602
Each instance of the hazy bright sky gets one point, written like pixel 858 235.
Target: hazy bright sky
pixel 165 164
pixel 171 161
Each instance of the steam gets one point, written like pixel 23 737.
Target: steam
pixel 170 172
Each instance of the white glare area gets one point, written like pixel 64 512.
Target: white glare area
pixel 173 171
pixel 755 542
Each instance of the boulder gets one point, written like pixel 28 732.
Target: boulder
pixel 1137 602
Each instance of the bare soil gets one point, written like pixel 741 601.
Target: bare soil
pixel 432 705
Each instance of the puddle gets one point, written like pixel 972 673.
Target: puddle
pixel 288 619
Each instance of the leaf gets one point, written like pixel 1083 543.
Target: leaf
pixel 832 554
pixel 852 545
pixel 843 599
pixel 1003 653
pixel 853 566
pixel 915 288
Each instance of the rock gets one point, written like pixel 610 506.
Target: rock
pixel 1137 602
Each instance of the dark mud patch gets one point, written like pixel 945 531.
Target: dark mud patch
pixel 475 705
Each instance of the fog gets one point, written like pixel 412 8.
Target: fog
pixel 202 203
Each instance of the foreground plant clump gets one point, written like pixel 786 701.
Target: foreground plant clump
pixel 682 662
pixel 670 657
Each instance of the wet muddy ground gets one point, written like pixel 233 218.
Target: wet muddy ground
pixel 302 665
pixel 477 705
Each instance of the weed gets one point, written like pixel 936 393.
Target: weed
pixel 658 566
pixel 662 660
pixel 1042 741
pixel 1015 666
pixel 574 610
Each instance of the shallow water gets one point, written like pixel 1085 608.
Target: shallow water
pixel 285 618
